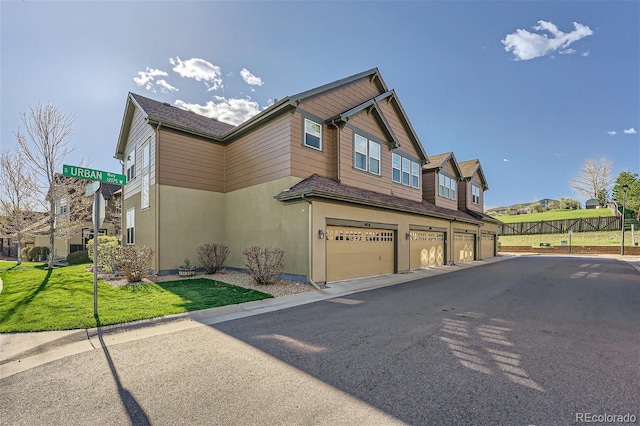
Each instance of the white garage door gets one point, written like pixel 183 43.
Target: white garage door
pixel 359 252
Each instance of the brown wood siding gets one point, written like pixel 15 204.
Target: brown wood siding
pixel 430 185
pixel 476 207
pixel 340 100
pixel 189 162
pixel 383 184
pixel 260 156
pixel 306 161
pixel 464 195
pixel 393 117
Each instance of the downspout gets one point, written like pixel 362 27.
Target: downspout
pixel 451 237
pixel 310 242
pixel 337 148
pixel 157 191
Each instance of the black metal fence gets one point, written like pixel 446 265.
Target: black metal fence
pixel 609 223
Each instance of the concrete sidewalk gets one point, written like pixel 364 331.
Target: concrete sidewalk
pixel 22 351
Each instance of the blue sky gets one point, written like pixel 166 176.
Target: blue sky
pixel 532 89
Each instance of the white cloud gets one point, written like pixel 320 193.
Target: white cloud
pixel 232 111
pixel 526 45
pixel 166 87
pixel 612 132
pixel 251 79
pixel 567 51
pixel 585 54
pixel 505 160
pixel 630 131
pixel 199 70
pixel 147 78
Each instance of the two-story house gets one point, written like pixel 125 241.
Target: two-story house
pixel 333 176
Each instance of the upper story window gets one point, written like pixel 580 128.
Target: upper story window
pixel 405 171
pixel 312 134
pixel 144 191
pixel 475 194
pixel 446 186
pixel 366 155
pixel 131 226
pixel 62 205
pixel 131 165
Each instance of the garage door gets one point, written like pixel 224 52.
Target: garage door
pixel 488 244
pixel 359 252
pixel 426 249
pixel 463 247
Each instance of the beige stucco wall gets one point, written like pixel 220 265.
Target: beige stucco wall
pixel 254 217
pixel 187 218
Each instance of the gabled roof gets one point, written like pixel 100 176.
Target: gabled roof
pixel 440 160
pixel 470 168
pixel 327 188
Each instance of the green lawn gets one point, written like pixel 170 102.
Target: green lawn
pixel 555 215
pixel 36 299
pixel 600 238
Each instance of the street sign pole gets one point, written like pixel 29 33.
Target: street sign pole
pixel 96 215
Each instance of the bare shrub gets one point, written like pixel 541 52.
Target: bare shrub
pixel 265 264
pixel 212 256
pixel 134 262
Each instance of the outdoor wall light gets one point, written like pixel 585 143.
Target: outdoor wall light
pixel 407 235
pixel 320 233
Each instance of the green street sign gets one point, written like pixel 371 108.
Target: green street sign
pixel 91 174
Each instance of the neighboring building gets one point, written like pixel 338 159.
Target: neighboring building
pixel 81 233
pixel 334 176
pixel 591 204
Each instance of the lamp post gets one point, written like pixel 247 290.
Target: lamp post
pixel 624 202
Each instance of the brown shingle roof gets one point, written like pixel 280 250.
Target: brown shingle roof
pixel 182 119
pixel 437 161
pixel 468 168
pixel 323 187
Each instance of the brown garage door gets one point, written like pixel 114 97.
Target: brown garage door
pixel 463 247
pixel 488 244
pixel 426 249
pixel 359 252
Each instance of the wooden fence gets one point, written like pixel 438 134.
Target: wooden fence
pixel 608 223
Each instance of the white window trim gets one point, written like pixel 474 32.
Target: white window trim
pixel 407 167
pixel 395 156
pixel 145 184
pixel 475 198
pixel 447 187
pixel 312 133
pixel 131 165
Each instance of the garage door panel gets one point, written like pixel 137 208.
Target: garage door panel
pixel 463 247
pixel 359 252
pixel 488 244
pixel 426 249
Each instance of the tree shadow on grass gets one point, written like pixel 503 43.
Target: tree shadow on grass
pixel 27 300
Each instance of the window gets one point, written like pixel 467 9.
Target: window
pixel 144 192
pixel 475 194
pixel 131 165
pixel 366 155
pixel 312 134
pixel 131 224
pixel 415 174
pixel 62 206
pixel 405 171
pixel 446 187
pixel 396 166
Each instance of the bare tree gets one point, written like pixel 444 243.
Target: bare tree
pixel 47 129
pixel 18 191
pixel 594 179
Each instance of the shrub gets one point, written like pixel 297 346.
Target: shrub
pixel 265 264
pixel 134 262
pixel 107 249
pixel 212 256
pixel 78 257
pixel 24 253
pixel 35 253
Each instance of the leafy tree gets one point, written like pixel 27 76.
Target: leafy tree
pixel 633 193
pixel 17 199
pixel 593 180
pixel 566 203
pixel 44 148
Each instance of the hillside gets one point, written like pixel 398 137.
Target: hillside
pixel 554 215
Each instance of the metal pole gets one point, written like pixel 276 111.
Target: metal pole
pixel 96 218
pixel 624 202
